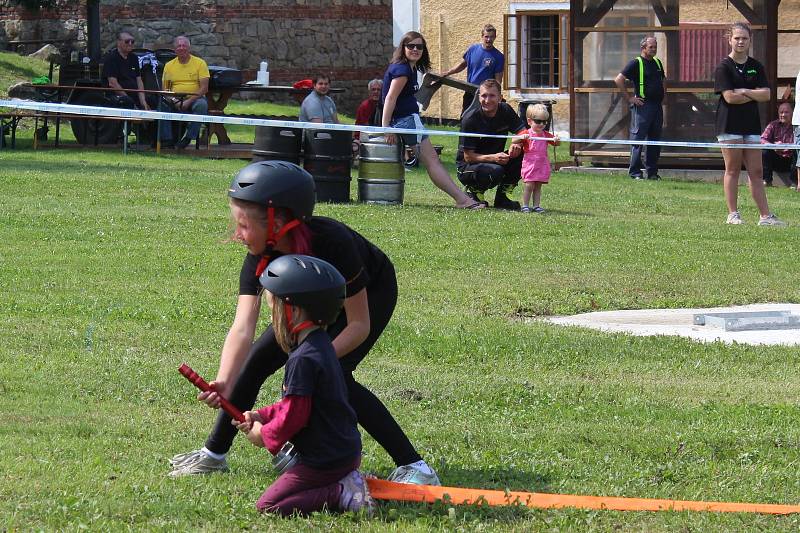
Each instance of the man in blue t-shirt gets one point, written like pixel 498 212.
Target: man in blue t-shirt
pixel 483 62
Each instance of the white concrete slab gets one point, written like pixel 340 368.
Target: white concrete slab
pixel 680 322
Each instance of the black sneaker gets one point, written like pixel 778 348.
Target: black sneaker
pixel 654 177
pixel 501 201
pixel 477 197
pixel 637 177
pixel 411 162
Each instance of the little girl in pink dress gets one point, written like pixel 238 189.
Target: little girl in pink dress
pixel 535 165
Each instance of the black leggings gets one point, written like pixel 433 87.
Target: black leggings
pixel 266 357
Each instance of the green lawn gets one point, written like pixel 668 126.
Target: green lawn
pixel 115 270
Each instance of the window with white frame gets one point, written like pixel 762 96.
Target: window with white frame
pixel 537 50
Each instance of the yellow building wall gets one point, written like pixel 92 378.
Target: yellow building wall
pixel 450 27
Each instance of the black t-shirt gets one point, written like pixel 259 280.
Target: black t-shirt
pixel 653 79
pixel 738 119
pixel 505 121
pixel 331 436
pixel 125 69
pixel 358 260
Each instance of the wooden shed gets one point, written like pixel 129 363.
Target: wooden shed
pixel 691 35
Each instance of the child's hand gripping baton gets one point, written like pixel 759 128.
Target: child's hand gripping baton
pixel 201 384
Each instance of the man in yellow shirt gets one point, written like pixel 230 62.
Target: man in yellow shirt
pixel 186 74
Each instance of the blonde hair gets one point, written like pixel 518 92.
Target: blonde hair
pixel 280 324
pixel 536 109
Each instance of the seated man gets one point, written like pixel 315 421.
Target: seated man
pixel 482 162
pixel 121 71
pixel 186 74
pixel 365 114
pixel 779 132
pixel 318 106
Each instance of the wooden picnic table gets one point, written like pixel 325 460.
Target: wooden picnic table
pixel 57 92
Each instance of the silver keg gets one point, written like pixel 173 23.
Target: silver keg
pixel 381 175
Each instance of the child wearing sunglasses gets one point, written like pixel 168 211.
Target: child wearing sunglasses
pixel 535 164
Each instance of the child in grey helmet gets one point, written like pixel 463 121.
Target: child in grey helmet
pixel 306 294
pixel 272 205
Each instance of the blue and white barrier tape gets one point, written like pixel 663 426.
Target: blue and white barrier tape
pixel 224 119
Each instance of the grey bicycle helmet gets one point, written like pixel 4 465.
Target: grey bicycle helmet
pixel 276 184
pixel 307 282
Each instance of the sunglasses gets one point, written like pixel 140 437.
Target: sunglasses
pixel 413 46
pixel 539 121
pixel 128 41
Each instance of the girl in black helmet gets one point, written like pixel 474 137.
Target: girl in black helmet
pixel 306 294
pixel 271 205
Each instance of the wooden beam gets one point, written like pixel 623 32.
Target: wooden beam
pixel 748 13
pixel 575 60
pixel 592 16
pixel 771 11
pixel 660 12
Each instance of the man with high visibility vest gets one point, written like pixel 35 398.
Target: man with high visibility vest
pixel 646 73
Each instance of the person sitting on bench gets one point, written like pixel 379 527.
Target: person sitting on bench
pixel 186 74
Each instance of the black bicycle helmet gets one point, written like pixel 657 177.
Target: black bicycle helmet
pixel 276 184
pixel 307 282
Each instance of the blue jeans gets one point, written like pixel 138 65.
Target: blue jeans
pixel 646 123
pixel 199 107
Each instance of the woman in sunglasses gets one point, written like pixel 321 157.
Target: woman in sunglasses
pixel 400 110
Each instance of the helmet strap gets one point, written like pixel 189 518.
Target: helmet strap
pixel 294 330
pixel 273 238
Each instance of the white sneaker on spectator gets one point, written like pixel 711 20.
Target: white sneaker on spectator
pixel 734 218
pixel 771 220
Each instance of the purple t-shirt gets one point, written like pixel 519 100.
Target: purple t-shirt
pixel 483 64
pixel 406 102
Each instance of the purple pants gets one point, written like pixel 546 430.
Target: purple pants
pixel 303 489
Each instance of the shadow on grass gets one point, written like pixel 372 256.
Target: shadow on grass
pixel 549 213
pixel 18 70
pixel 26 167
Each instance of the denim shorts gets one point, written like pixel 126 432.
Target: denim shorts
pixel 744 139
pixel 796 139
pixel 411 122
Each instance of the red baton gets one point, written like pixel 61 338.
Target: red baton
pixel 201 384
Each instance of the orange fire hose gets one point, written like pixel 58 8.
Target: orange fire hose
pixel 388 490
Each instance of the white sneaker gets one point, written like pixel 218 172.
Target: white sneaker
pixel 734 218
pixel 181 457
pixel 197 462
pixel 355 496
pixel 412 476
pixel 771 220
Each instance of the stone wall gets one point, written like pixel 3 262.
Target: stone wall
pixel 350 40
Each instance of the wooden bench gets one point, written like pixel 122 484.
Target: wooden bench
pixel 10 122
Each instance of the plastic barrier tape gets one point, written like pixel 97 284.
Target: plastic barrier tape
pixel 221 119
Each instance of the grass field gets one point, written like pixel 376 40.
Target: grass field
pixel 114 270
